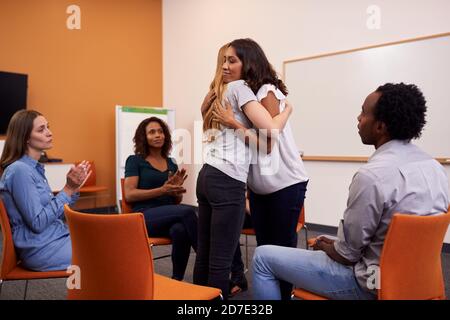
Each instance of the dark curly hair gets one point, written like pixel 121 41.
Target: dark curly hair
pixel 256 69
pixel 141 147
pixel 402 107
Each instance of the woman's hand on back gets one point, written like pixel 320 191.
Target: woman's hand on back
pixel 225 116
pixel 207 101
pixel 289 108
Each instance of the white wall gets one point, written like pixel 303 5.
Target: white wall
pixel 194 30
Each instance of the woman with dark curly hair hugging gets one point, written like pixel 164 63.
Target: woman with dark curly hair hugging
pixel 154 186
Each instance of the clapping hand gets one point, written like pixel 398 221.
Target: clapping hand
pixel 77 176
pixel 178 178
pixel 174 185
pixel 172 189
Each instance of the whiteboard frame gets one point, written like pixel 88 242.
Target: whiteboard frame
pixel 285 62
pixel 445 160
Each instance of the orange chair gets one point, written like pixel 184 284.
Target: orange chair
pixel 90 186
pixel 115 261
pixel 11 268
pixel 153 241
pixel 251 232
pixel 410 263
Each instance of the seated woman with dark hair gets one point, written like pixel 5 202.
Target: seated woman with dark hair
pixel 154 186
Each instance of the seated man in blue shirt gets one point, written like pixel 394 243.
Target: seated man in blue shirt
pixel 40 236
pixel 398 177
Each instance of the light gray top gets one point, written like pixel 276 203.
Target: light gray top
pixel 228 151
pixel 399 177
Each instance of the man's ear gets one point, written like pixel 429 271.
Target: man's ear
pixel 381 127
pixel 382 130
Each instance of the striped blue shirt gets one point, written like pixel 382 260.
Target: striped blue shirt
pixel 40 235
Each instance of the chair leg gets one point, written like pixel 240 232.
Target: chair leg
pixel 163 256
pixel 246 254
pixel 306 236
pixel 1 286
pixel 26 288
pixel 160 257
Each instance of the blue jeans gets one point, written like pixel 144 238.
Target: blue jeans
pixel 311 270
pixel 275 217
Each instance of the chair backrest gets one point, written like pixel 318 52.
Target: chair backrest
pixel 9 258
pixel 126 206
pixel 92 180
pixel 113 255
pixel 410 263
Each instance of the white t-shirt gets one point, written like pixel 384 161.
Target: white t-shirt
pixel 228 152
pixel 283 167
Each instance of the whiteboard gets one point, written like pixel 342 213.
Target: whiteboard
pixel 327 93
pixel 127 120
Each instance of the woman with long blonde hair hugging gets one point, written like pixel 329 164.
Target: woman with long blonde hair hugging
pixel 221 183
pixel 210 104
pixel 277 181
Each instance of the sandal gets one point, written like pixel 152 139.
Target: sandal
pixel 237 287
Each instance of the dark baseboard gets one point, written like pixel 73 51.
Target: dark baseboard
pixel 112 209
pixel 311 226
pixel 322 228
pixel 333 231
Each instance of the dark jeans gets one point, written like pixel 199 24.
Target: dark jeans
pixel 237 265
pixel 275 217
pixel 179 223
pixel 221 204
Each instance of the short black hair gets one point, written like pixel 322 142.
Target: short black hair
pixel 402 107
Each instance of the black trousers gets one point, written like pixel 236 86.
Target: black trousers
pixel 274 218
pixel 221 204
pixel 237 265
pixel 179 223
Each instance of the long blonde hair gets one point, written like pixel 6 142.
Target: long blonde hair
pixel 219 88
pixel 17 136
